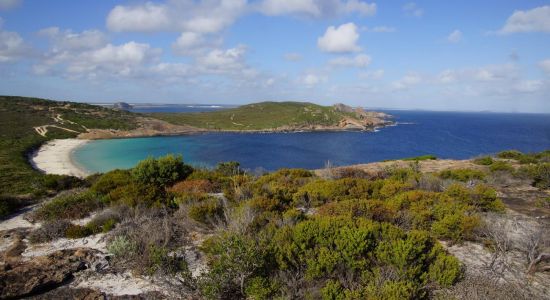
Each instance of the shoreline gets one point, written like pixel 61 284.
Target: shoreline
pixel 54 157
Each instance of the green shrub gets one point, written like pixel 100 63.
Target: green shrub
pixel 509 154
pixel 484 161
pixel 206 211
pixel 420 158
pixel 162 171
pixel 121 246
pixel 541 175
pixel 9 205
pixel 77 231
pixel 236 260
pixel 527 159
pixel 135 194
pixel 463 175
pixel 229 168
pixel 259 288
pixel 61 182
pixel 49 231
pixel 501 166
pixel 455 227
pixel 159 260
pixel 111 180
pixel 70 206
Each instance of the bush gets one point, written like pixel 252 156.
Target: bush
pixel 501 166
pixel 110 181
pixel 541 175
pixel 77 231
pixel 61 182
pixel 420 158
pixel 509 154
pixel 192 186
pixel 236 259
pixel 135 194
pixel 49 231
pixel 463 175
pixel 9 205
pixel 230 168
pixel 122 247
pixel 206 211
pixel 69 206
pixel 484 161
pixel 162 171
pixel 456 227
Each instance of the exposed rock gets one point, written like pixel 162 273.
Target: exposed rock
pixel 44 273
pixel 122 106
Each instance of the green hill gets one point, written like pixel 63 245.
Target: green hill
pixel 258 116
pixel 25 123
pixel 263 116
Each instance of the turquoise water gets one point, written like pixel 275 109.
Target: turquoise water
pixel 445 134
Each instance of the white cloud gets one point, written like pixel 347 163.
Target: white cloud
pixel 407 81
pixel 9 4
pixel 545 66
pixel 534 20
pixel 311 79
pixel 485 74
pixel 341 39
pixel 528 86
pixel 192 43
pixel 412 9
pixel 206 16
pixel 222 61
pixel 293 57
pixel 12 46
pixel 147 17
pixel 363 8
pixel 67 40
pixel 68 57
pixel 282 7
pixel 316 8
pixel 382 29
pixel 359 61
pixel 455 36
pixel 376 74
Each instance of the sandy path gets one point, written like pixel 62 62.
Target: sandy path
pixel 54 157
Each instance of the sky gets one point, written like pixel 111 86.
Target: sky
pixel 491 55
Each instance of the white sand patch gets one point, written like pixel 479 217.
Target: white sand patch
pixel 54 157
pixel 94 242
pixel 17 221
pixel 116 284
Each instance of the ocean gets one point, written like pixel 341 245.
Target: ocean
pixel 456 135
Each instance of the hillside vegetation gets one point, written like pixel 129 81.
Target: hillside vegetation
pixel 25 123
pixel 398 233
pixel 269 116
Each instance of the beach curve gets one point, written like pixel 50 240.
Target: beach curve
pixel 54 157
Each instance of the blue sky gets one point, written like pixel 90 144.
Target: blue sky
pixel 435 55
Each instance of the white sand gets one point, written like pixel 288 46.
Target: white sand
pixel 54 157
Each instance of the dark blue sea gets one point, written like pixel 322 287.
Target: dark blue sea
pixel 456 135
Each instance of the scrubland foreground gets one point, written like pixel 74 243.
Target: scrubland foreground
pixel 416 229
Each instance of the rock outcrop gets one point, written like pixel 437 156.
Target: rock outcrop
pixel 26 278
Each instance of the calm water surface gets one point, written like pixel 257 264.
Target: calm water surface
pixel 444 134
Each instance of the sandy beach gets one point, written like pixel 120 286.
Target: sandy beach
pixel 54 157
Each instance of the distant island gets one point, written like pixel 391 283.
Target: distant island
pixel 282 117
pixel 122 106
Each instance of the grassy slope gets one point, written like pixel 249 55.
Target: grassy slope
pixel 18 116
pixel 258 116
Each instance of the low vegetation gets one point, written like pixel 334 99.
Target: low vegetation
pixel 260 116
pixel 290 234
